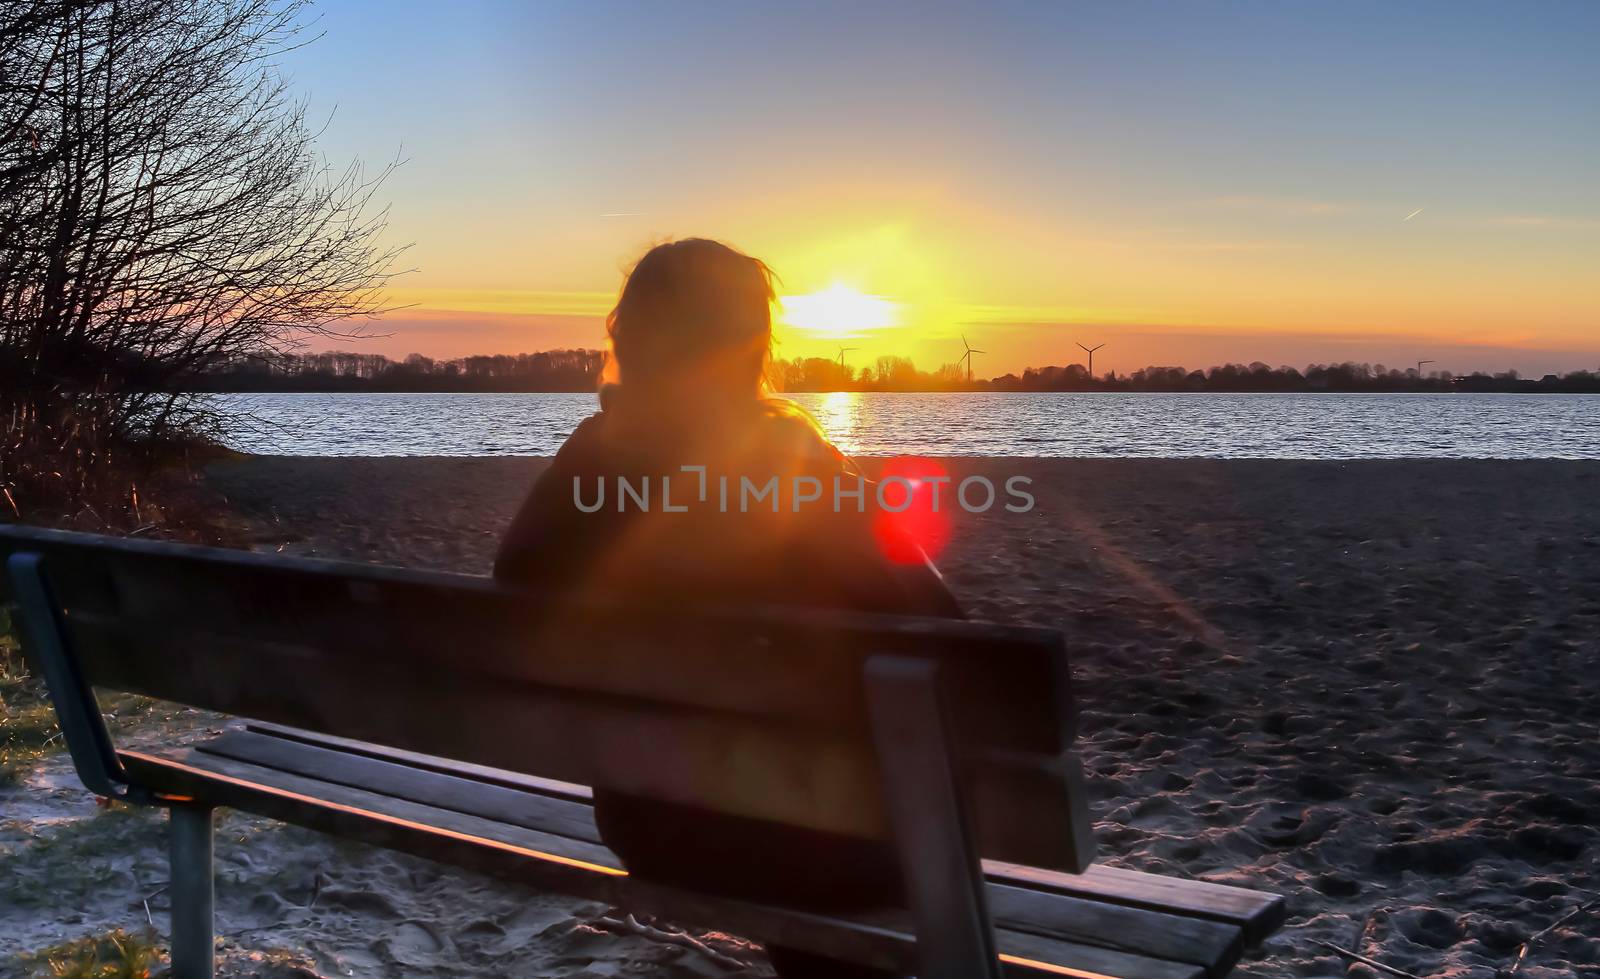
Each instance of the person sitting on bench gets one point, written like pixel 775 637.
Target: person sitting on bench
pixel 685 387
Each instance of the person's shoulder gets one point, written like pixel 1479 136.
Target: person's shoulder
pixel 793 431
pixel 589 428
pixel 587 440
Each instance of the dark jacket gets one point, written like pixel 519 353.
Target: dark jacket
pixel 816 557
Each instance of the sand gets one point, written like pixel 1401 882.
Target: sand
pixel 1369 686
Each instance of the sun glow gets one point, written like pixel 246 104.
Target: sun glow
pixel 839 414
pixel 838 311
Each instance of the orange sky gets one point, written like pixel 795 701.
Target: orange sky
pixel 1278 183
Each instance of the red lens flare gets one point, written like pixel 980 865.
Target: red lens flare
pixel 912 522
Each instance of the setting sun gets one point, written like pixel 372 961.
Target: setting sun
pixel 838 311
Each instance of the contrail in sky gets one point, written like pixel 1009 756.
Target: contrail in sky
pixel 1413 214
pixel 623 214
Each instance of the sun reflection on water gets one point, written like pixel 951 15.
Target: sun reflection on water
pixel 839 414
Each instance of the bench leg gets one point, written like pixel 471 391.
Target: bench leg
pixel 955 939
pixel 193 952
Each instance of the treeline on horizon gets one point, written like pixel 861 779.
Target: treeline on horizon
pixel 579 371
pixel 546 371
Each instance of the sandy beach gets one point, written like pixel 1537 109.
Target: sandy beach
pixel 1369 686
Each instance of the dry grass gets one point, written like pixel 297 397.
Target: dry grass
pixel 163 499
pixel 114 955
pixel 27 722
pixel 28 729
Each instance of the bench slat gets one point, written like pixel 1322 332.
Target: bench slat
pixel 1257 913
pixel 1015 687
pixel 548 861
pixel 431 763
pixel 1214 946
pixel 253 788
pixel 1087 961
pixel 571 819
pixel 1061 917
pixel 1029 808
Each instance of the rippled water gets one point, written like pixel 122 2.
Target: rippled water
pixel 1272 426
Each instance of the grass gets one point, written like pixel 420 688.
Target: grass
pixel 28 729
pixel 114 955
pixel 27 721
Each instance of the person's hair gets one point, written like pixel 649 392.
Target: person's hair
pixel 695 318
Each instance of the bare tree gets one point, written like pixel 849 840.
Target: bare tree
pixel 164 210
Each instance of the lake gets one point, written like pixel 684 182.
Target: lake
pixel 1259 426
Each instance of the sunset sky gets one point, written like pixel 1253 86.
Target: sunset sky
pixel 1187 184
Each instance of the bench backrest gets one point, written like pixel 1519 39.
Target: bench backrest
pixel 756 713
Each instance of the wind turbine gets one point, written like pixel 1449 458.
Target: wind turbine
pixel 968 356
pixel 1090 351
pixel 843 351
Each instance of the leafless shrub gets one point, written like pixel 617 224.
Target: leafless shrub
pixel 162 210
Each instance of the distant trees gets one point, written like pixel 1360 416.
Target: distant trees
pixel 1348 377
pixel 552 370
pixel 887 373
pixel 162 212
pixel 812 374
pixel 579 370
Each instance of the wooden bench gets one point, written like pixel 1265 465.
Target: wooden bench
pixel 459 720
